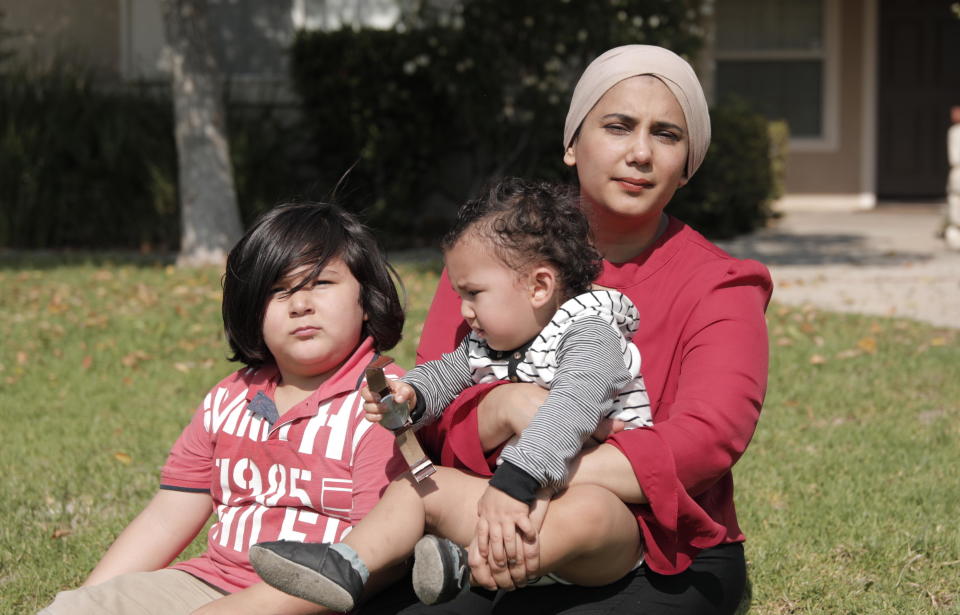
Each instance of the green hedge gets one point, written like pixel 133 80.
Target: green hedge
pixel 742 174
pixel 418 119
pixel 423 115
pixel 89 167
pixel 81 167
pixel 401 125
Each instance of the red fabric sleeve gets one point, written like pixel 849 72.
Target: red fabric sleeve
pixel 721 364
pixel 444 327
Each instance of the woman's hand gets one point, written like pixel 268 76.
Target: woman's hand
pixel 604 430
pixel 531 548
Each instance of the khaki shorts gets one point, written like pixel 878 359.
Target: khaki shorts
pixel 161 592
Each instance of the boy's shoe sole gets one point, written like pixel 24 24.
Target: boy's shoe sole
pixel 437 575
pixel 311 571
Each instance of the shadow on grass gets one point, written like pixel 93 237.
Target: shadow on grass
pixel 780 248
pixel 420 261
pixel 747 599
pixel 51 259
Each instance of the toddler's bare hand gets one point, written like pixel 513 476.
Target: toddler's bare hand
pixel 373 407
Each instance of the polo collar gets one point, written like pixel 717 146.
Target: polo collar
pixel 347 379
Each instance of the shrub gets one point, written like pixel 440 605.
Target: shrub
pixel 81 167
pixel 732 191
pixel 85 166
pixel 424 115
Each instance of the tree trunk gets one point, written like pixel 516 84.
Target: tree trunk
pixel 209 216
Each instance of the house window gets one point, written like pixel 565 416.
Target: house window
pixel 774 54
pixel 331 15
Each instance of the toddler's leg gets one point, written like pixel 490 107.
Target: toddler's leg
pixel 589 537
pixel 164 592
pixel 334 575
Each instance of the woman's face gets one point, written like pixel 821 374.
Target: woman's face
pixel 631 154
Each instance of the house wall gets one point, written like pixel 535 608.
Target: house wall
pixel 838 171
pixel 86 31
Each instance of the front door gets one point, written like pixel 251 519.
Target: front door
pixel 919 80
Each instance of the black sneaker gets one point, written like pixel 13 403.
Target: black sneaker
pixel 312 571
pixel 440 570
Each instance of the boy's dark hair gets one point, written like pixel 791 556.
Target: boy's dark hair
pixel 293 235
pixel 531 222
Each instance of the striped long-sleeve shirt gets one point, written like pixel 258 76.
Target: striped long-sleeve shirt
pixel 583 356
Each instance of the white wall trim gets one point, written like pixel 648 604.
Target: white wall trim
pixel 830 96
pixel 831 54
pixel 868 114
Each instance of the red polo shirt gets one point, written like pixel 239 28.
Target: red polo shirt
pixel 310 477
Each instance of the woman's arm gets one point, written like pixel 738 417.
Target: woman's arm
pixel 705 421
pixel 156 536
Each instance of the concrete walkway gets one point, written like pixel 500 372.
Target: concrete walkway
pixel 887 261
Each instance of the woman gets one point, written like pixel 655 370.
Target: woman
pixel 637 130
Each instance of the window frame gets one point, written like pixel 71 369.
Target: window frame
pixel 829 55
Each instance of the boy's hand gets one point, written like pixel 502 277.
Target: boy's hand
pixel 401 391
pixel 500 516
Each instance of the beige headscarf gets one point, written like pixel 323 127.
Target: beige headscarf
pixel 620 63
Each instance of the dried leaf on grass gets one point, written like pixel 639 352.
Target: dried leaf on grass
pixel 135 358
pixel 60 532
pixel 123 458
pixel 187 366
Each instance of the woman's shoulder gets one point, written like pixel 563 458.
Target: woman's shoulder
pixel 702 259
pixel 685 260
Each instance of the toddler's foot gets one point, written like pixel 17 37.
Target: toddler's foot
pixel 440 570
pixel 328 574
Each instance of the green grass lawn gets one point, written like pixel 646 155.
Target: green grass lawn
pixel 848 495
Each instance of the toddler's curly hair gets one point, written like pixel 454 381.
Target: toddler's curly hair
pixel 528 223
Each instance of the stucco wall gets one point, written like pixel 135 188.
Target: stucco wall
pixel 838 172
pixel 86 31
